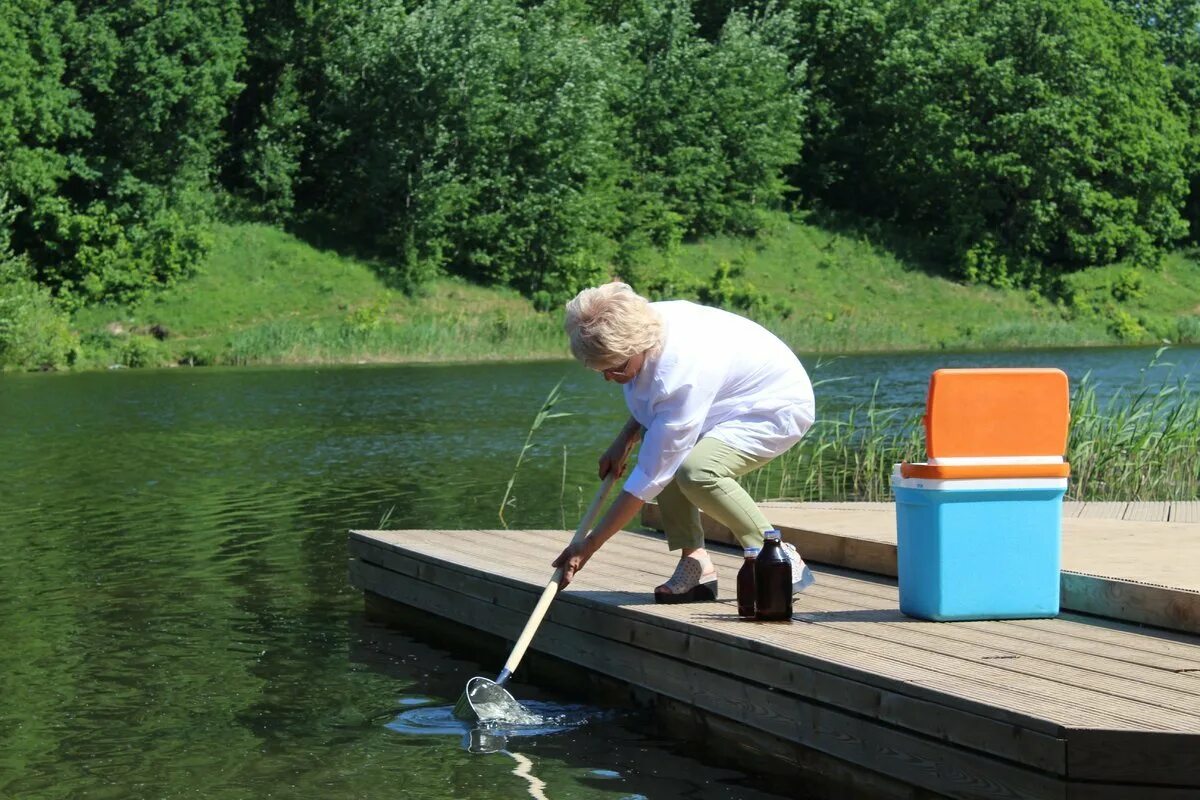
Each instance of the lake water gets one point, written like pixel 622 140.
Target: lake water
pixel 175 616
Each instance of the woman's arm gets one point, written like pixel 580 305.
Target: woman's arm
pixel 619 514
pixel 613 459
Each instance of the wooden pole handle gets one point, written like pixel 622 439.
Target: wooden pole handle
pixel 543 603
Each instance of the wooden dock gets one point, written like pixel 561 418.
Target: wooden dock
pixel 1068 708
pixel 1136 562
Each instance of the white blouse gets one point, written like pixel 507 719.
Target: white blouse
pixel 717 375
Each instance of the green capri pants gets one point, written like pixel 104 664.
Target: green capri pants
pixel 705 481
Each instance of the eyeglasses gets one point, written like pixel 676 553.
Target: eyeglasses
pixel 617 372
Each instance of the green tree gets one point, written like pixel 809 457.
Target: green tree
pixel 840 43
pixel 1175 26
pixel 1015 134
pixel 710 126
pixel 473 137
pixel 268 124
pixel 116 110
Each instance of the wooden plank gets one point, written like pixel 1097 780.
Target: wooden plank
pixel 1123 663
pixel 1072 508
pixel 1104 510
pixel 1185 511
pixel 1127 756
pixel 867 555
pixel 1118 658
pixel 1135 559
pixel 1007 679
pixel 1166 697
pixel 941 768
pixel 1147 511
pixel 1132 601
pixel 950 673
pixel 1002 739
pixel 1108 791
pixel 1162 648
pixel 836 652
pixel 531 561
pixel 1180 609
pixel 1144 676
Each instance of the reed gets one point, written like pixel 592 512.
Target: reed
pixel 848 456
pixel 546 412
pixel 1141 444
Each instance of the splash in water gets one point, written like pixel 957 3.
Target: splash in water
pixel 503 714
pixel 491 704
pixel 536 719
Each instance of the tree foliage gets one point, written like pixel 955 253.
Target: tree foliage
pixel 34 332
pixel 267 124
pixel 1175 27
pixel 1019 135
pixel 111 121
pixel 539 144
pixel 711 125
pixel 473 137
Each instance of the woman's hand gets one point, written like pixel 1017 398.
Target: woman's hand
pixel 613 459
pixel 571 560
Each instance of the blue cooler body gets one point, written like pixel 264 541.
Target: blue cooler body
pixel 979 549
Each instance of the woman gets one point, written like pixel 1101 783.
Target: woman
pixel 712 396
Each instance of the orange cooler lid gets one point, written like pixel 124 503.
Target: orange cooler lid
pixel 997 413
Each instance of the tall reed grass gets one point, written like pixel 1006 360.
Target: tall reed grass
pixel 546 412
pixel 848 456
pixel 1141 444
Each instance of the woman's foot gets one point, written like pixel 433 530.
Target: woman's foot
pixel 694 580
pixel 802 576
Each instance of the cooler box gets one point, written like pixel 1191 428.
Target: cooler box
pixel 979 525
pixel 979 549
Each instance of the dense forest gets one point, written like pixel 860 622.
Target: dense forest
pixel 541 145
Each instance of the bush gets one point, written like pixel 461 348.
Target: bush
pixel 142 351
pixel 1187 329
pixel 108 130
pixel 728 289
pixel 711 125
pixel 1128 286
pixel 474 137
pixel 1125 326
pixel 1018 135
pixel 34 332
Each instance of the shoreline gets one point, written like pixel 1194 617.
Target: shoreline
pixel 546 357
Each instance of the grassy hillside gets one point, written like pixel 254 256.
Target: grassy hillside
pixel 840 293
pixel 266 297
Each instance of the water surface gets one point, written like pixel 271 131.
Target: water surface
pixel 175 616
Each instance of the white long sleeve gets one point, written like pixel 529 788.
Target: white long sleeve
pixel 717 375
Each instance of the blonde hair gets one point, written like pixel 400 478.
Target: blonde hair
pixel 610 323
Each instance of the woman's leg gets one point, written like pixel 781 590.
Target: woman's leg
pixel 706 481
pixel 695 576
pixel 680 519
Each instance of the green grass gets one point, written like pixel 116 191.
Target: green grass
pixel 842 293
pixel 265 297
